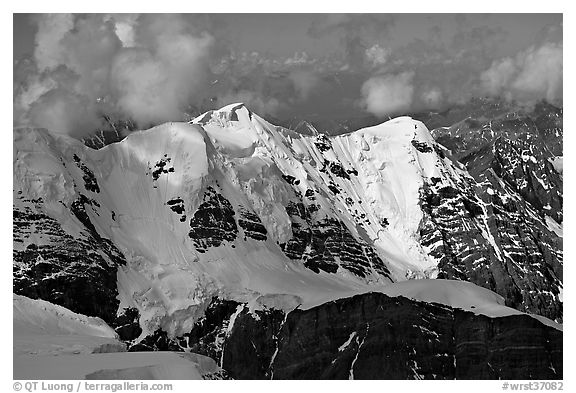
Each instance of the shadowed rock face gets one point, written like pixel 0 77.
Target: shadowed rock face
pixel 517 187
pixel 549 122
pixel 517 147
pixel 252 225
pixel 523 163
pixel 488 235
pixel 213 223
pixel 90 182
pixel 372 336
pixel 327 244
pixel 78 273
pixel 376 337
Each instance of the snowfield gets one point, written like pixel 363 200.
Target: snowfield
pixel 110 366
pixel 558 163
pixel 43 328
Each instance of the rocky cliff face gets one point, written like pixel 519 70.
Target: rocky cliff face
pixel 520 196
pixel 75 272
pixel 489 235
pixel 371 336
pixel 519 148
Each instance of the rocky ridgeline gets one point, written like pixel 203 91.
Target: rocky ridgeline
pixel 518 148
pixel 517 187
pixel 370 336
pixel 493 238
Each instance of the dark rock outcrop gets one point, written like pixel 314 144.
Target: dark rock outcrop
pixel 161 167
pixel 213 222
pixel 491 237
pixel 373 336
pixel 252 225
pixel 78 273
pixel 517 147
pixel 494 233
pixel 90 182
pixel 327 244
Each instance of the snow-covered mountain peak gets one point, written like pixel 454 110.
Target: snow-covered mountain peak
pixel 225 206
pixel 236 112
pixel 234 207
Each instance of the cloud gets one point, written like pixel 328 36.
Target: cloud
pixel 325 24
pixel 124 25
pixel 550 33
pixel 304 81
pixel 88 51
pixel 139 80
pixel 478 40
pixel 63 112
pixel 498 76
pixel 147 68
pixel 377 55
pixel 152 68
pixel 533 74
pixel 389 94
pixel 51 30
pixel 155 83
pixel 432 98
pixel 540 72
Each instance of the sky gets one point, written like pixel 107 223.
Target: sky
pixel 69 70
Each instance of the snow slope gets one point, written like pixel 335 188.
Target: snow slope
pixel 558 163
pixel 459 294
pixel 52 342
pixel 391 172
pixel 43 328
pixel 122 365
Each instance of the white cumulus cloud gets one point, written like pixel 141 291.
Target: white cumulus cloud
pixel 146 68
pixel 532 74
pixel 388 94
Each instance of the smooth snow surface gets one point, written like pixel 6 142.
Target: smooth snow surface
pixel 122 365
pixel 558 229
pixel 558 163
pixel 43 328
pixel 459 294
